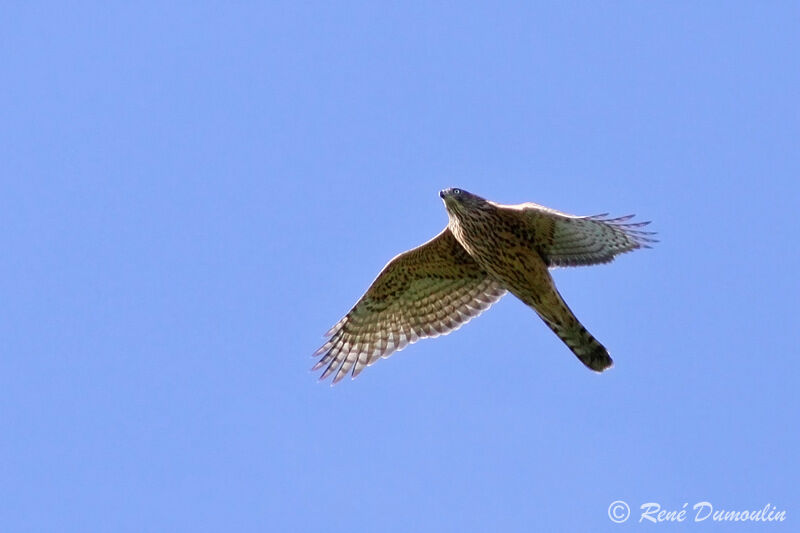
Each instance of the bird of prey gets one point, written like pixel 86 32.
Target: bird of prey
pixel 486 250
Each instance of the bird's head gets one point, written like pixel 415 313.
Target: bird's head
pixel 459 201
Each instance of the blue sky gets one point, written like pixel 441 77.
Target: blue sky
pixel 193 193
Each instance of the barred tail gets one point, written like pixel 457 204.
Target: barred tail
pixel 587 348
pixel 552 308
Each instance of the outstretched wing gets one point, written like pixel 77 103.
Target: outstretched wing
pixel 425 292
pixel 568 240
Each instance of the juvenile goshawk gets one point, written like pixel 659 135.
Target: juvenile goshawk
pixel 485 250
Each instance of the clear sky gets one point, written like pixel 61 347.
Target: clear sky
pixel 192 193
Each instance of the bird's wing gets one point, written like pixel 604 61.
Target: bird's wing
pixel 425 292
pixel 568 240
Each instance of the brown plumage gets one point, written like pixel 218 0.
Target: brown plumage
pixel 486 250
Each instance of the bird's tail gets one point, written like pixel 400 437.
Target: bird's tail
pixel 563 322
pixel 587 348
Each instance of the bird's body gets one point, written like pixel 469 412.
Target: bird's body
pixel 486 250
pixel 503 241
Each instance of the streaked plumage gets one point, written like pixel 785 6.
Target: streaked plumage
pixel 486 250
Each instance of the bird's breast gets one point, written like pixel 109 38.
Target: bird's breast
pixel 503 252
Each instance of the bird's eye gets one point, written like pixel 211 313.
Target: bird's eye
pixel 456 191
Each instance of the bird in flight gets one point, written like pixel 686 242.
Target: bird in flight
pixel 486 250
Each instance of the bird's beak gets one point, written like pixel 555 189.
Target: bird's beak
pixel 442 193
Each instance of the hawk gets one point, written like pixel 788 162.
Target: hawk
pixel 486 250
